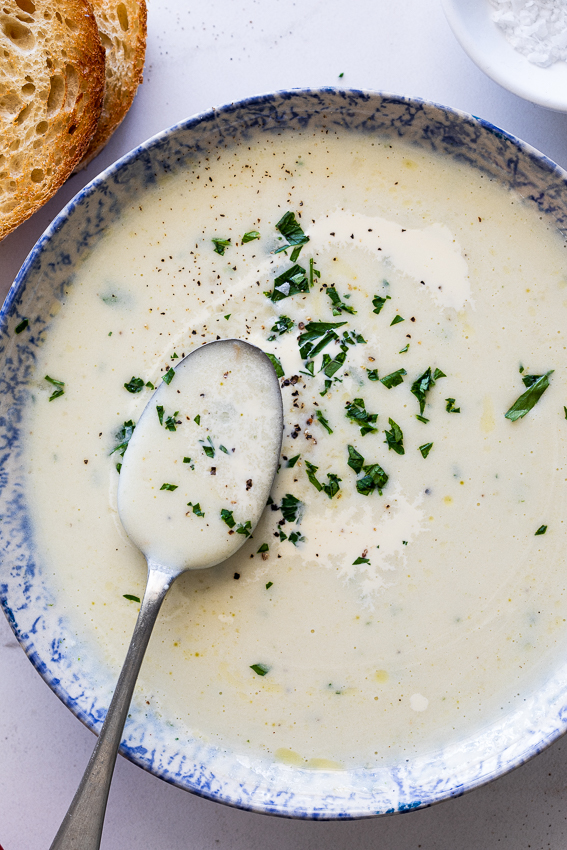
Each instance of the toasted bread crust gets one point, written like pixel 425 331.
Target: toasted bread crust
pixel 51 90
pixel 122 27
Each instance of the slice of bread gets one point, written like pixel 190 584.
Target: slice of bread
pixel 51 90
pixel 122 28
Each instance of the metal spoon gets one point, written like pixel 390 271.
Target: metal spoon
pixel 227 380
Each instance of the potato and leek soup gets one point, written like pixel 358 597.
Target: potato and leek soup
pixel 405 587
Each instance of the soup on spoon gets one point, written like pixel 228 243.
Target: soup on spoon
pixel 192 488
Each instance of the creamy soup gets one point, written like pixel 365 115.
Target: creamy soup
pixel 405 587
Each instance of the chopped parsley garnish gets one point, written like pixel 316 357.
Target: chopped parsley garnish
pixel 360 561
pixel 282 325
pixel 269 584
pixel 295 537
pixel 403 350
pixel 375 479
pixel 197 419
pixel 159 409
pixel 541 530
pixel 227 517
pixel 186 460
pixel 263 548
pixel 356 411
pixel 565 411
pixel 220 245
pixel 228 315
pixel 123 436
pixel 313 272
pixel 223 449
pixel 355 459
pixel 196 508
pixel 210 449
pixel 244 528
pixel 450 406
pixel 291 230
pixel 322 331
pixel 170 422
pixel 421 418
pixel 289 282
pixel 329 366
pixel 323 421
pixel 276 364
pixel 532 395
pixel 397 319
pixel 174 356
pixel 331 489
pixel 22 326
pixel 338 306
pixel 423 384
pixel 58 391
pixel 293 460
pixel 395 438
pixel 352 337
pixel 291 508
pixel 372 375
pixel 131 598
pixel 378 301
pixel 250 236
pixel 168 377
pixel 149 385
pixel 171 487
pixel 327 387
pixel 310 366
pixel 425 449
pixel 394 379
pixel 260 669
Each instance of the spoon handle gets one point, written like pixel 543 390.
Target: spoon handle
pixel 81 828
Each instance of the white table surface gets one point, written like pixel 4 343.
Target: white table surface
pixel 203 54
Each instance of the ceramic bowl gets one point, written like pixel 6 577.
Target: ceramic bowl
pixel 27 592
pixel 486 44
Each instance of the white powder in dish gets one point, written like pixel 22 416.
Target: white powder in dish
pixel 535 28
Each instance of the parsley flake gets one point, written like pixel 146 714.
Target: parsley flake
pixel 360 561
pixel 58 391
pixel 529 399
pixel 260 669
pixel 123 436
pixel 208 449
pixel 425 449
pixel 356 411
pixel 291 230
pixel 394 379
pixel 263 548
pixel 293 460
pixel 250 236
pixel 423 384
pixel 541 530
pixel 21 326
pixel 395 438
pixel 450 406
pixel 170 487
pixel 170 422
pixel 276 364
pixel 291 508
pixel 196 508
pixel 169 375
pixel 220 245
pixel 227 517
pixel 338 306
pixel 397 319
pixel 378 301
pixel 323 422
pixel 372 375
pixel 131 598
pixel 355 459
pixel 282 325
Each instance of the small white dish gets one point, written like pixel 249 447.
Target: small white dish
pixel 486 44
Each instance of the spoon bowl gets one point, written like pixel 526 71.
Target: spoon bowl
pixel 234 388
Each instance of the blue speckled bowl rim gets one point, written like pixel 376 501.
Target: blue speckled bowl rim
pixel 10 305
